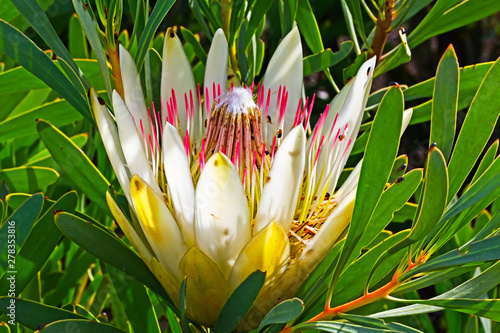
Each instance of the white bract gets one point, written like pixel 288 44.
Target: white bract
pixel 223 185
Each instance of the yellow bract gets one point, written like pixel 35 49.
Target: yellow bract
pixel 206 288
pixel 268 251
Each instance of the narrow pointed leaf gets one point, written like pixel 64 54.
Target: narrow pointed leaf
pixel 34 252
pixel 17 46
pixel 39 21
pixel 58 113
pixel 377 164
pixel 487 308
pixel 80 326
pixel 476 130
pixel 473 288
pixel 135 301
pixel 325 59
pixel 445 102
pixel 433 200
pixel 377 323
pixel 282 313
pixel 32 314
pixel 159 12
pixel 109 249
pixel 74 163
pixel 240 302
pixel 21 221
pixel 391 200
pixel 478 252
pixel 91 28
pixel 28 179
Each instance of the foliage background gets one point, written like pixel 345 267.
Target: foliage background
pixel 477 42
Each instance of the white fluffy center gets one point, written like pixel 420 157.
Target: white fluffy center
pixel 237 100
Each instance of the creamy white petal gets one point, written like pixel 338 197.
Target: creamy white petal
pixel 159 226
pixel 279 197
pixel 352 110
pixel 110 138
pixel 132 145
pixel 222 222
pixel 349 104
pixel 216 66
pixel 328 234
pixel 134 99
pixel 177 74
pixel 407 114
pixel 349 184
pixel 284 69
pixel 179 180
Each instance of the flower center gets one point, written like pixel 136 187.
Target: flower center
pixel 235 128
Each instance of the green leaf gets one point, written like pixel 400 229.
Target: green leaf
pixel 309 27
pixel 195 8
pixel 287 11
pixel 74 163
pixel 377 164
pixel 109 249
pixel 33 98
pixel 135 301
pixel 80 326
pixel 473 288
pixel 488 159
pixel 21 221
pixel 445 102
pixel 240 302
pixel 392 200
pixel 92 31
pixel 34 14
pixel 71 278
pixel 399 168
pixel 326 59
pixel 431 279
pixel 377 323
pixel 57 112
pixel 491 225
pixel 28 179
pixel 487 308
pixel 319 280
pixel 282 313
pixel 470 79
pixel 433 200
pixel 17 46
pixel 356 278
pixel 77 43
pixel 258 12
pixel 481 251
pixel 476 130
pixel 190 38
pixel 38 246
pixel 335 327
pixel 242 58
pixel 159 12
pixel 173 323
pixel 488 182
pixel 449 15
pixel 32 314
pixel 43 156
pixel 355 9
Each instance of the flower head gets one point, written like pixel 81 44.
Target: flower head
pixel 222 180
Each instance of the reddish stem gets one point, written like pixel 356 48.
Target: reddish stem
pixel 382 292
pixel 382 29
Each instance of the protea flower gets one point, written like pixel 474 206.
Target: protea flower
pixel 229 184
